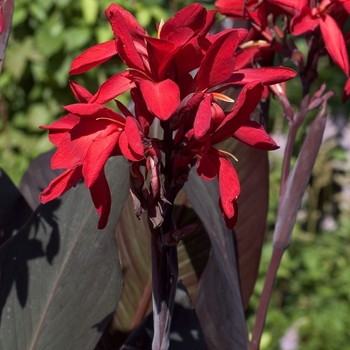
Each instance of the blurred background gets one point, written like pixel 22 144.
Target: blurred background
pixel 310 306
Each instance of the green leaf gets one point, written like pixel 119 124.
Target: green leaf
pixel 50 37
pixel 89 8
pixel 61 278
pixel 76 38
pixel 38 114
pixel 18 54
pixel 38 12
pixel 19 16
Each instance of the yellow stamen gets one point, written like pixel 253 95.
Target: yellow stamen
pixel 252 43
pixel 112 120
pixel 143 73
pixel 160 27
pixel 222 97
pixel 229 154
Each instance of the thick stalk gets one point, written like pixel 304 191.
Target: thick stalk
pixel 265 298
pixel 164 257
pixel 164 280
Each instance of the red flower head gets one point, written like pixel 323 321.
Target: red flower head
pixel 167 86
pixel 86 138
pixel 309 18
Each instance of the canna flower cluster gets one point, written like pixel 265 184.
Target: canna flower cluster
pixel 176 80
pixel 324 20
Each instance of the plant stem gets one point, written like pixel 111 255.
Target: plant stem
pixel 164 280
pixel 277 254
pixel 164 257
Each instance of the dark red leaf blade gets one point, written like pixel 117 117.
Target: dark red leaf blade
pixel 253 169
pixel 54 260
pixel 220 279
pixel 7 11
pixel 253 172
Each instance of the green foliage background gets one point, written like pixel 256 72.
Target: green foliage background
pixel 312 291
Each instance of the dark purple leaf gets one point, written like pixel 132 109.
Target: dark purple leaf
pixel 223 323
pixel 37 177
pixel 298 180
pixel 60 276
pixel 253 172
pixel 7 10
pixel 14 211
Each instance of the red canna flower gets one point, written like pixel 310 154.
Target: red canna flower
pixel 166 85
pixel 212 162
pixel 309 18
pixel 153 62
pixel 85 138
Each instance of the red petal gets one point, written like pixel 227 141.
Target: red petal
pixel 98 153
pixel 59 128
pixel 126 150
pixel 84 109
pixel 79 92
pixel 218 63
pixel 144 116
pixel 93 56
pixel 123 33
pixel 208 167
pixel 202 120
pixel 236 9
pixel 129 20
pixel 160 54
pixel 346 92
pixel 230 222
pixel 266 76
pixel 229 186
pixel 162 99
pixel 64 124
pixel 94 111
pixel 209 21
pixel 101 197
pixel 132 131
pixel 287 4
pixel 193 17
pixel 183 64
pixel 302 22
pixel 240 32
pixel 113 87
pixel 61 184
pixel 334 41
pixel 254 135
pixel 245 105
pixel 346 4
pixel 75 143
